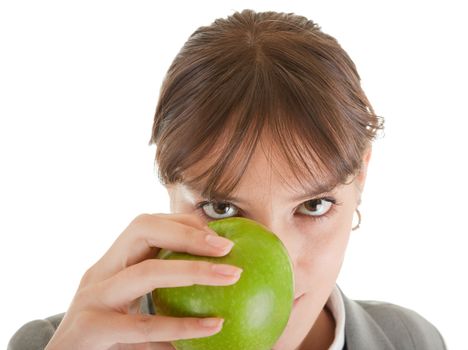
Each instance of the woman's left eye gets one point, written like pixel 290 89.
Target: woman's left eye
pixel 317 208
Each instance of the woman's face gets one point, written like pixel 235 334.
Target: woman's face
pixel 314 233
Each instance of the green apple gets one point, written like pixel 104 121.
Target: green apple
pixel 255 309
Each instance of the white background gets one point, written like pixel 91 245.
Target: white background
pixel 79 83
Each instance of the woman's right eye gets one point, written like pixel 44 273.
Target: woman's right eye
pixel 212 209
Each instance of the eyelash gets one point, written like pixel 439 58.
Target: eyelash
pixel 199 207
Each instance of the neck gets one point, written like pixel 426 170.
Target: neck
pixel 322 333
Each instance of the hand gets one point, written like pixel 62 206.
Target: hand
pixel 104 313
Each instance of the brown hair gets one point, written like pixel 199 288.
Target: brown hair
pixel 254 73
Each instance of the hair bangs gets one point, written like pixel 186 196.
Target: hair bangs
pixel 269 127
pixel 267 79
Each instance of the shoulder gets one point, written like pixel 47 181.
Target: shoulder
pixel 405 328
pixel 35 334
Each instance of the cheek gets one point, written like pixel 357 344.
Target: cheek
pixel 323 251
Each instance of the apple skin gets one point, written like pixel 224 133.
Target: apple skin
pixel 255 309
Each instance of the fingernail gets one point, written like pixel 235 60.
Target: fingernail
pixel 211 322
pixel 227 270
pixel 218 242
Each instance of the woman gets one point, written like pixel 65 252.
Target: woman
pixel 260 115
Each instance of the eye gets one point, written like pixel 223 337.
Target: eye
pixel 319 206
pixel 214 209
pixel 316 209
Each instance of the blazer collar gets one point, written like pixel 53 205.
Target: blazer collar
pixel 361 330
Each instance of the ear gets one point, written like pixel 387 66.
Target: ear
pixel 361 178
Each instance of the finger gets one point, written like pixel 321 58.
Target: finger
pixel 146 234
pixel 144 277
pixel 143 346
pixel 188 219
pixel 144 328
pixel 161 346
pixel 183 218
pixel 158 328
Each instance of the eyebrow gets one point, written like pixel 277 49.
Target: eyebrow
pixel 311 192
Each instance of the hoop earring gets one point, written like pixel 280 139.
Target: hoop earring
pixel 359 223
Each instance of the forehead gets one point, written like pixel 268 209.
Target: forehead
pixel 267 175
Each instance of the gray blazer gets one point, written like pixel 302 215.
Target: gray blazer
pixel 369 325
